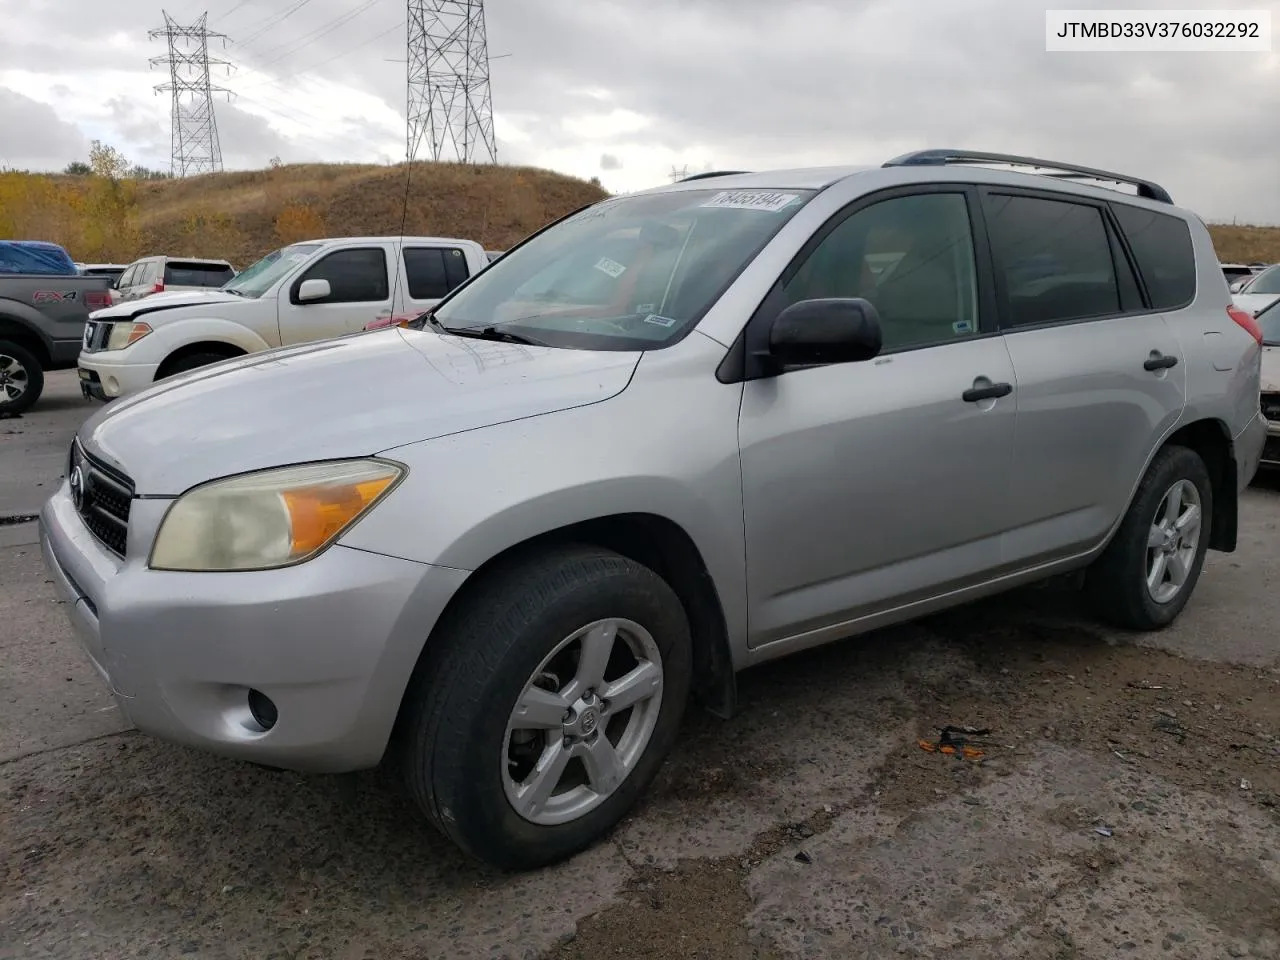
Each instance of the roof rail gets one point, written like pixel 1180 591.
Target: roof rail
pixel 931 158
pixel 711 173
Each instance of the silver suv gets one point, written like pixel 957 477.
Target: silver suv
pixel 673 435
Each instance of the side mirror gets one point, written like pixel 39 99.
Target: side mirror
pixel 310 290
pixel 835 330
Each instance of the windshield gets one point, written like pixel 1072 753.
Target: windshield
pixel 256 280
pixel 631 273
pixel 1269 322
pixel 1268 281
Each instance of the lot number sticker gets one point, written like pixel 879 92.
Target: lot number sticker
pixel 612 267
pixel 769 201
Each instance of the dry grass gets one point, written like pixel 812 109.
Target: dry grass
pixel 1246 244
pixel 256 211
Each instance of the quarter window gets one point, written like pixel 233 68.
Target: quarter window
pixel 355 276
pixel 1162 246
pixel 1055 258
pixel 911 257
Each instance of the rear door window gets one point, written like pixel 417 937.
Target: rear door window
pixel 1162 246
pixel 1054 257
pixel 431 272
pixel 182 273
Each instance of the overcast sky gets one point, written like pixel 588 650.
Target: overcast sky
pixel 628 89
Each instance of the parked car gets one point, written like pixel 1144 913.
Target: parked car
pixel 522 539
pixel 1268 319
pixel 43 306
pixel 1262 291
pixel 306 291
pixel 109 270
pixel 1235 272
pixel 152 275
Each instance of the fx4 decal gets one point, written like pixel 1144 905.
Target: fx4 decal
pixel 54 296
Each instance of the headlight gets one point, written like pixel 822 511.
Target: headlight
pixel 124 334
pixel 270 519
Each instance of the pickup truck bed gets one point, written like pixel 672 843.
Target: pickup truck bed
pixel 42 321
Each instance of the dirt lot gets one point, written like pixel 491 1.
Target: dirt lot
pixel 1125 804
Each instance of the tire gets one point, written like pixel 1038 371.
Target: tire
pixel 190 362
pixel 458 750
pixel 21 378
pixel 1116 584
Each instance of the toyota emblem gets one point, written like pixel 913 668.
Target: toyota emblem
pixel 77 487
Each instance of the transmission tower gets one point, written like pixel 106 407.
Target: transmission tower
pixel 194 134
pixel 448 80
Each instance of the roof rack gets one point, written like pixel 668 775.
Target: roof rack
pixel 939 158
pixel 712 173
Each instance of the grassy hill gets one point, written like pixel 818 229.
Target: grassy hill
pixel 243 215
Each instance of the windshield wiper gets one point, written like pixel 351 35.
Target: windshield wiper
pixel 490 333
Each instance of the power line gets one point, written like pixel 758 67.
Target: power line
pixel 265 25
pixel 194 132
pixel 278 81
pixel 323 30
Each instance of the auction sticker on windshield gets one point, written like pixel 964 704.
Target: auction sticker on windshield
pixel 612 267
pixel 768 200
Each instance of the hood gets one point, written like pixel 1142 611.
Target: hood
pixel 348 397
pixel 1271 369
pixel 1253 302
pixel 159 302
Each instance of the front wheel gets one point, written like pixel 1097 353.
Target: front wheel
pixel 546 705
pixel 1147 573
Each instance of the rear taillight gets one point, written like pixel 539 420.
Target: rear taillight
pixel 1245 319
pixel 159 287
pixel 97 299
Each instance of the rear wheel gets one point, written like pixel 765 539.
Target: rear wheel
pixel 21 378
pixel 546 705
pixel 1147 573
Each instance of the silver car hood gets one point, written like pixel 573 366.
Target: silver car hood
pixel 346 397
pixel 1254 302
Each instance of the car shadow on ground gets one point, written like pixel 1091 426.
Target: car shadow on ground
pixel 138 839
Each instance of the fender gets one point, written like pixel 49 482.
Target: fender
pixel 165 338
pixel 27 320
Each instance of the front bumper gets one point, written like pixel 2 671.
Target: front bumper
pixel 332 642
pixel 106 377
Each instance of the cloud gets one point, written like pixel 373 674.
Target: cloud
pixel 657 84
pixel 34 136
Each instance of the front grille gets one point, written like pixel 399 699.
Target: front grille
pixel 96 334
pixel 1271 406
pixel 102 498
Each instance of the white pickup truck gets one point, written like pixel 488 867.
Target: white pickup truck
pixel 306 291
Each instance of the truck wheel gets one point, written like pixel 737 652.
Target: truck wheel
pixel 21 378
pixel 1149 569
pixel 545 704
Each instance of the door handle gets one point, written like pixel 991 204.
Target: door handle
pixel 1161 361
pixel 990 392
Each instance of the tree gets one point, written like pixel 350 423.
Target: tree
pixel 107 161
pixel 78 168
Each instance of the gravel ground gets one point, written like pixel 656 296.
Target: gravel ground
pixel 1125 804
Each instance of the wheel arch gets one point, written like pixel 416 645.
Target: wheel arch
pixel 222 348
pixel 26 335
pixel 666 548
pixel 1210 438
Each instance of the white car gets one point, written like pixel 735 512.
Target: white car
pixel 1262 291
pixel 307 291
